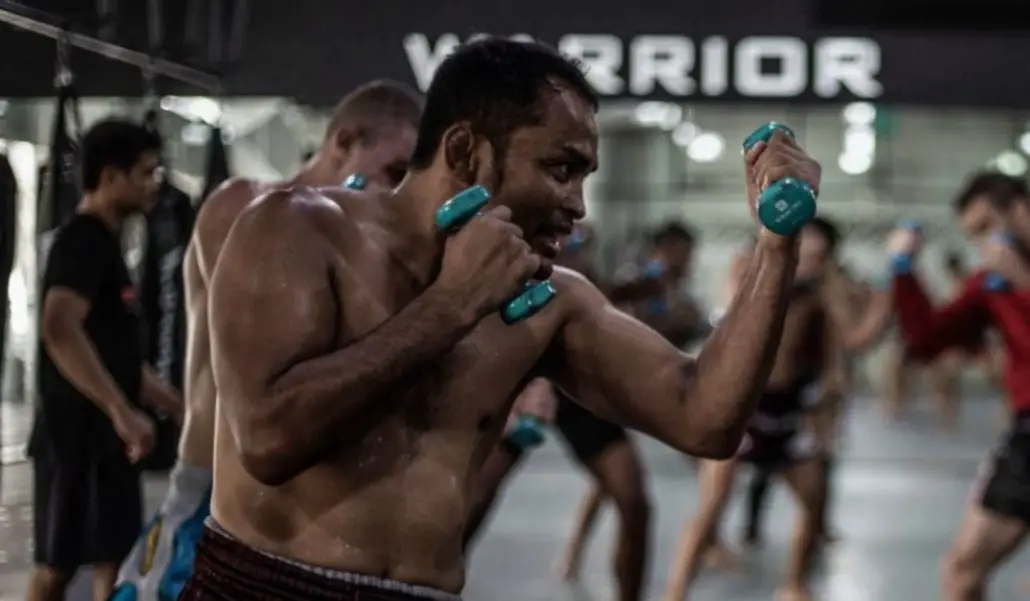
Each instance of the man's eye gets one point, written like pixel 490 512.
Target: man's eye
pixel 561 172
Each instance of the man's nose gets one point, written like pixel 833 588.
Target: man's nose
pixel 575 206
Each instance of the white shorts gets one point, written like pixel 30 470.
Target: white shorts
pixel 162 559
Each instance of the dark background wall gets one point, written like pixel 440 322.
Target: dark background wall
pixel 964 53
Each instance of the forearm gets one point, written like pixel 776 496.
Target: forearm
pixel 927 330
pixel 734 366
pixel 872 323
pixel 156 392
pixel 78 360
pixel 325 400
pixel 856 327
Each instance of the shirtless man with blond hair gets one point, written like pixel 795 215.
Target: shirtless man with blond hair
pixel 370 137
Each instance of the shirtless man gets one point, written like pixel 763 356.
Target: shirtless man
pixel 782 438
pixel 997 518
pixel 364 375
pixel 371 133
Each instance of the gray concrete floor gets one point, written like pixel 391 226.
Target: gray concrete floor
pixel 901 491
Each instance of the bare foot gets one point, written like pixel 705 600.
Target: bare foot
pixel 720 557
pixel 794 593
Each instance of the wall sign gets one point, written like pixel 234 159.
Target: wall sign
pixel 767 67
pixel 729 51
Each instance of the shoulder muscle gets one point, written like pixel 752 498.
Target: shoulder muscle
pixel 272 302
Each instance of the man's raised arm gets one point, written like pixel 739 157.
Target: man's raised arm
pixel 619 367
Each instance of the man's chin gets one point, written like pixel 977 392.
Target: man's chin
pixel 546 269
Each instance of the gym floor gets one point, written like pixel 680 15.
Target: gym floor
pixel 901 490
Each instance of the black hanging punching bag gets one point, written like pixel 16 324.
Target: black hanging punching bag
pixel 217 170
pixel 169 226
pixel 8 231
pixel 60 192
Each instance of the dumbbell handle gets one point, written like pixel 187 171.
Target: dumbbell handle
pixel 455 213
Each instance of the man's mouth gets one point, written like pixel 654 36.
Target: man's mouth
pixel 550 240
pixel 549 246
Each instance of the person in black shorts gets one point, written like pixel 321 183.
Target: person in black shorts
pixel 89 429
pixel 652 291
pixel 779 439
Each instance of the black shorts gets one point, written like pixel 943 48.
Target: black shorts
pixel 586 435
pixel 87 510
pixel 779 450
pixel 227 569
pixel 1005 488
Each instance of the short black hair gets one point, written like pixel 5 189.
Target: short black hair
pixel 497 85
pixel 376 105
pixel 117 143
pixel 673 231
pixel 1001 190
pixel 828 230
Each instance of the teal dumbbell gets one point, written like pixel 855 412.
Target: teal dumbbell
pixel 355 181
pixel 526 433
pixel 787 204
pixel 455 213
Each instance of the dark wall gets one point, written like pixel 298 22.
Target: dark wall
pixel 316 50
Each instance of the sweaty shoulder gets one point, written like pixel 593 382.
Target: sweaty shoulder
pixel 216 216
pixel 284 214
pixel 576 293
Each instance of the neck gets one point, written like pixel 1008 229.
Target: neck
pixel 318 173
pixel 101 207
pixel 411 213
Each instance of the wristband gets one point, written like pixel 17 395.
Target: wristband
pixel 901 264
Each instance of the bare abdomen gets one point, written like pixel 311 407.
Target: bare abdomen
pixel 405 526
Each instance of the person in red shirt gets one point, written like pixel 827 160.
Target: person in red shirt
pixel 994 210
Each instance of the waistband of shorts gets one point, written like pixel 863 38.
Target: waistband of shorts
pixel 242 553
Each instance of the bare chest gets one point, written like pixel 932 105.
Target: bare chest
pixel 469 389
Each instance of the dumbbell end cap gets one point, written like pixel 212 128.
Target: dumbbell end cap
pixel 763 133
pixel 786 206
pixel 461 207
pixel 527 432
pixel 355 181
pixel 532 299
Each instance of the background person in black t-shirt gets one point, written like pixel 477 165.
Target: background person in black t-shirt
pixel 89 430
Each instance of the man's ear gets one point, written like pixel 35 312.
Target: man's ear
pixel 344 140
pixel 459 152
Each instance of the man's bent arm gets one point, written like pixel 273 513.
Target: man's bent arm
pixel 620 368
pixel 857 327
pixel 927 331
pixel 289 388
pixel 69 345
